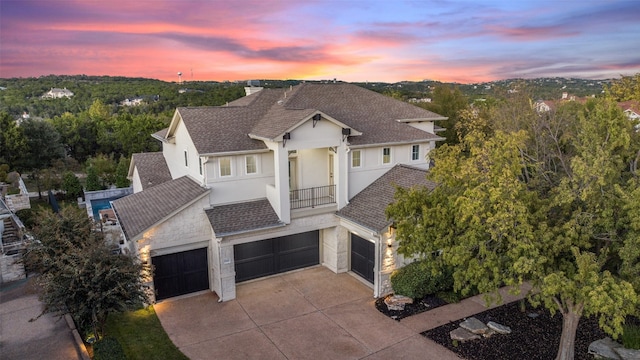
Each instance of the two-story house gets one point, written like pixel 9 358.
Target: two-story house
pixel 278 180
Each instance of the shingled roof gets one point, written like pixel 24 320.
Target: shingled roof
pixel 152 169
pixel 271 112
pixel 367 208
pixel 141 211
pixel 242 217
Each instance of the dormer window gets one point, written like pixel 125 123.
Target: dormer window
pixel 386 155
pixel 356 158
pixel 225 166
pixel 251 164
pixel 415 152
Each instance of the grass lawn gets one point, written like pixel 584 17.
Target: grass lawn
pixel 141 335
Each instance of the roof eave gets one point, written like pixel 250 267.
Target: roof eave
pixel 231 233
pixel 436 118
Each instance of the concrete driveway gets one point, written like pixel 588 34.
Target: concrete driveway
pixel 307 314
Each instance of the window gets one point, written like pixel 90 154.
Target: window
pixel 251 164
pixel 356 160
pixel 415 152
pixel 225 166
pixel 200 163
pixel 386 155
pixel 186 159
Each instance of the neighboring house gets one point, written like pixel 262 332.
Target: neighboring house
pixel 631 108
pixel 276 181
pixel 542 106
pixel 136 101
pixel 57 93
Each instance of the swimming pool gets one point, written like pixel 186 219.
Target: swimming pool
pixel 101 204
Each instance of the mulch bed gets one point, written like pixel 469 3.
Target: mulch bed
pixel 535 333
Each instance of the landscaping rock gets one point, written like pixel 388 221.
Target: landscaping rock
pixel 397 302
pixel 604 348
pixel 463 335
pixel 489 333
pixel 499 328
pixel 474 325
pixel 627 354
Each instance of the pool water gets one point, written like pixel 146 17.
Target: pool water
pixel 101 204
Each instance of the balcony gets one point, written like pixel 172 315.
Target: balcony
pixel 312 197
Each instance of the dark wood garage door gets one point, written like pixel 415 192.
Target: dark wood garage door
pixel 180 273
pixel 363 254
pixel 273 256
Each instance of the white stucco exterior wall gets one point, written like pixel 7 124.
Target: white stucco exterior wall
pixel 136 184
pixel 174 155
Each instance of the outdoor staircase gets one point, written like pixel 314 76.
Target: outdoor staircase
pixel 10 236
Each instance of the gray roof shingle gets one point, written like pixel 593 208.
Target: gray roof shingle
pixel 152 169
pixel 242 217
pixel 367 208
pixel 140 211
pixel 271 112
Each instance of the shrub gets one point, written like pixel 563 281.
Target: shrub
pixel 631 336
pixel 416 280
pixel 108 349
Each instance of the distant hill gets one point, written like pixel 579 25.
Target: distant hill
pixel 23 95
pixel 20 95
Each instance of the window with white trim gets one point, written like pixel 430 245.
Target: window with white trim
pixel 225 166
pixel 386 155
pixel 356 158
pixel 415 152
pixel 251 164
pixel 186 159
pixel 200 164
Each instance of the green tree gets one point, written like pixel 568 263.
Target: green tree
pixel 93 180
pixel 495 225
pixel 80 273
pixel 105 168
pixel 43 147
pixel 71 185
pixel 625 88
pixel 448 101
pixel 122 171
pixel 12 141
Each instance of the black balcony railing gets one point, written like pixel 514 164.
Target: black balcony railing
pixel 312 197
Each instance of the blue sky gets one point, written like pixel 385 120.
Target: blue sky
pixel 461 41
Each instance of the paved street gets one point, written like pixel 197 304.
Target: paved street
pixel 48 337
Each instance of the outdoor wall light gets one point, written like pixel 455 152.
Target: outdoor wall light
pixel 316 118
pixel 285 137
pixel 345 133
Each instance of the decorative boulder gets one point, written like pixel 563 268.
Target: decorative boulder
pixel 627 354
pixel 462 335
pixel 499 328
pixel 604 348
pixel 397 302
pixel 474 325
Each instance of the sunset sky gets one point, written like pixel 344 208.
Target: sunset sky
pixel 369 40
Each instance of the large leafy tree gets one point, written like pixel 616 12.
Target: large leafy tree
pixel 80 273
pixel 500 217
pixel 450 102
pixel 43 147
pixel 12 140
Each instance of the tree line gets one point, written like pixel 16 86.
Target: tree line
pixel 89 133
